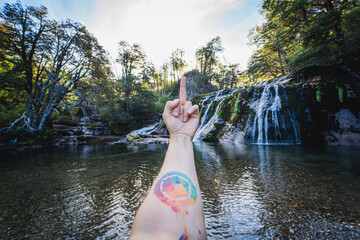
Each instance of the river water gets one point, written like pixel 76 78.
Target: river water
pixel 249 191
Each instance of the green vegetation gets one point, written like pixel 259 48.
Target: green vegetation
pixel 210 138
pixel 300 33
pixel 340 93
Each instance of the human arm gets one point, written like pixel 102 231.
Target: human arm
pixel 173 208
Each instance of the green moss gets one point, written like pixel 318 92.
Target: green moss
pixel 252 117
pixel 221 113
pixel 210 137
pixel 318 95
pixel 196 100
pixel 225 108
pixel 132 139
pixel 340 93
pixel 233 116
pixel 201 112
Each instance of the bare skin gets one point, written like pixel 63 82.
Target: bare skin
pixel 172 209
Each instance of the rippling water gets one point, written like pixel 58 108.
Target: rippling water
pixel 249 192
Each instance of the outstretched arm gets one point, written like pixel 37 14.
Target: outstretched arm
pixel 173 208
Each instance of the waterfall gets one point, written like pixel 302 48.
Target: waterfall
pixel 269 116
pixel 260 113
pixel 269 120
pixel 267 103
pixel 148 130
pixel 207 121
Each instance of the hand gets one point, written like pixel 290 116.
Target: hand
pixel 180 116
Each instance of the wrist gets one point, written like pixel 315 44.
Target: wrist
pixel 180 137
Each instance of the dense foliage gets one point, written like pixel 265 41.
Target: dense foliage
pixel 301 33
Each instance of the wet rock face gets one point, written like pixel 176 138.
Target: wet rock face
pixel 81 131
pixel 317 105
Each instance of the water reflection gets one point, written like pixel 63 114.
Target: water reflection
pixel 249 192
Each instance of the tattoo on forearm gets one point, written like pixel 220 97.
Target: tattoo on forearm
pixel 176 190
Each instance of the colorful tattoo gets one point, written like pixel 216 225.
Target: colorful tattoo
pixel 176 190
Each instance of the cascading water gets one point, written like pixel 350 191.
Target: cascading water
pixel 267 103
pixel 148 130
pixel 207 121
pixel 205 115
pixel 269 116
pixel 268 122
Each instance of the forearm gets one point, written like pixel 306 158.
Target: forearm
pixel 164 213
pixel 180 156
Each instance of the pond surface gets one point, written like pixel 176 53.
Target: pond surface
pixel 249 192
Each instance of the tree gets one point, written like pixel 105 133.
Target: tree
pixel 131 58
pixel 147 75
pixel 164 75
pixel 301 33
pixel 207 56
pixel 49 58
pixel 229 76
pixel 177 64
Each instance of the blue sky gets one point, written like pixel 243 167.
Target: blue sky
pixel 161 26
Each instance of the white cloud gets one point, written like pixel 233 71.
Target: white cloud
pixel 161 26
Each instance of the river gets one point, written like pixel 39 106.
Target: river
pixel 249 191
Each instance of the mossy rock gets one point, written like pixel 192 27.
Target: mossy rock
pixel 131 139
pixel 210 137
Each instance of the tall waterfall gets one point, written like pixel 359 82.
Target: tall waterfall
pixel 268 116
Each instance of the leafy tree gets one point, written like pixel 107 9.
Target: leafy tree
pixel 229 76
pixel 131 57
pixel 300 33
pixel 165 76
pixel 49 59
pixel 207 56
pixel 177 64
pixel 147 75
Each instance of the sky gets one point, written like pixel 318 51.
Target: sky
pixel 161 26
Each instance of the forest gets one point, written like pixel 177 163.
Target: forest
pixel 53 69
